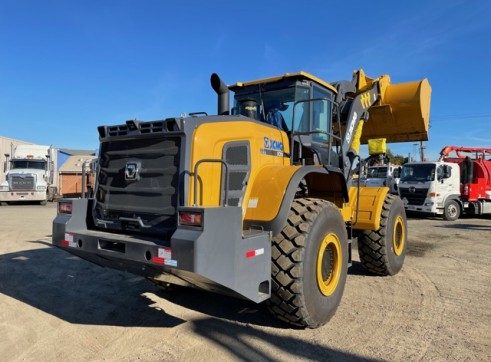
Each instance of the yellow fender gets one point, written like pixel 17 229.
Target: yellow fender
pixel 369 202
pixel 274 189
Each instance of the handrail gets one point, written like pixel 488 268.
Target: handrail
pixel 195 178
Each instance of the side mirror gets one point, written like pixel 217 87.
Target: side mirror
pixel 444 172
pixel 447 171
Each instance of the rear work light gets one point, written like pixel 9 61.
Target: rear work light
pixel 190 218
pixel 65 207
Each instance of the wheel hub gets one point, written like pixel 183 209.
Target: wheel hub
pixel 329 261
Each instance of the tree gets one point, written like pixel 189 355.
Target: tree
pixel 395 159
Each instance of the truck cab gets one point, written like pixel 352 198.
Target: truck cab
pixel 29 175
pixel 383 176
pixel 428 187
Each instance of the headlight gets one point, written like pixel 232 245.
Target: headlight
pixel 4 188
pixel 41 188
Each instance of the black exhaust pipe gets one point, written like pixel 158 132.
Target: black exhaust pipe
pixel 223 94
pixel 467 171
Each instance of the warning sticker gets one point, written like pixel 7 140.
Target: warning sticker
pixel 165 253
pixel 252 203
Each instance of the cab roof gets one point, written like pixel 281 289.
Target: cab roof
pixel 300 75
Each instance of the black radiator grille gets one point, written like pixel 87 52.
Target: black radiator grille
pixel 236 155
pixel 416 197
pixel 22 182
pixel 138 185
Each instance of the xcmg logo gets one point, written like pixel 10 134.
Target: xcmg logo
pixel 273 144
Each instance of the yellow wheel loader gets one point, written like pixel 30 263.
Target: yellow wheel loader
pixel 257 201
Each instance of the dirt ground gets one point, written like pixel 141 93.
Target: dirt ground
pixel 57 307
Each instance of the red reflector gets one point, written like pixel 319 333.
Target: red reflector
pixel 65 208
pixel 190 218
pixel 253 253
pixel 157 260
pixel 64 243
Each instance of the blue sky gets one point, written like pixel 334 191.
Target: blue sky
pixel 67 67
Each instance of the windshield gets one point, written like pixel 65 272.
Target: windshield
pixel 418 172
pixel 276 107
pixel 20 164
pixel 377 172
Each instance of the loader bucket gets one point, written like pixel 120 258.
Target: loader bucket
pixel 402 115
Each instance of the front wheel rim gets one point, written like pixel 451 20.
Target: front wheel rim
pixel 329 261
pixel 452 210
pixel 398 236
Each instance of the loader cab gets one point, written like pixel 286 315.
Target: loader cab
pixel 300 105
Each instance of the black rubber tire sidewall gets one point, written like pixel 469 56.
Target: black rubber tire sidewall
pixel 320 307
pixel 376 248
pixel 395 262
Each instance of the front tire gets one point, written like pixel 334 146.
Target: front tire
pixel 383 251
pixel 451 211
pixel 309 264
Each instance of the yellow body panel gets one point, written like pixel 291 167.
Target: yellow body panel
pixel 369 203
pixel 209 140
pixel 267 192
pixel 346 212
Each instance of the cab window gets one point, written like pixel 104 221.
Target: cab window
pixel 322 109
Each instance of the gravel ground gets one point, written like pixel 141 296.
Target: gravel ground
pixel 54 306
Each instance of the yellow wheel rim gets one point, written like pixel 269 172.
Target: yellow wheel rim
pixel 398 236
pixel 329 261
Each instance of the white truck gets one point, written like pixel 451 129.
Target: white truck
pixel 30 175
pixel 460 182
pixel 431 188
pixel 383 175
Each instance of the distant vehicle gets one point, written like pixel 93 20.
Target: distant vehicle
pixel 382 175
pixel 460 182
pixel 30 171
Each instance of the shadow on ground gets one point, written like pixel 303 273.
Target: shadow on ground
pixel 466 226
pixel 237 341
pixel 79 292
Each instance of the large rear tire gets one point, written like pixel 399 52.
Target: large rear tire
pixel 309 264
pixel 383 251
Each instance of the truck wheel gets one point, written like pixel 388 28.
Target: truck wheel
pixel 451 211
pixel 309 264
pixel 383 251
